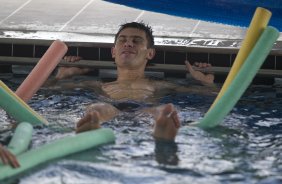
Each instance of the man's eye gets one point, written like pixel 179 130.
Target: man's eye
pixel 137 40
pixel 121 40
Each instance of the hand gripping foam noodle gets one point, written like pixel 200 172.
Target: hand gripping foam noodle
pixel 42 70
pixel 57 149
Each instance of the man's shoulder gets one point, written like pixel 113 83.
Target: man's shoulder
pixel 92 83
pixel 163 84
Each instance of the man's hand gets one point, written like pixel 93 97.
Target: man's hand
pixel 8 158
pixel 68 72
pixel 72 59
pixel 204 78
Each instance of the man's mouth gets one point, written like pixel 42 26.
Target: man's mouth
pixel 128 52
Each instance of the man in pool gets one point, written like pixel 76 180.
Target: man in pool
pixel 133 48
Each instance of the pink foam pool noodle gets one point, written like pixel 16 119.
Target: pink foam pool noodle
pixel 42 70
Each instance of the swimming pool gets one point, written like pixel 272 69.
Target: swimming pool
pixel 246 148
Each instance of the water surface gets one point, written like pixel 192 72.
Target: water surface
pixel 245 148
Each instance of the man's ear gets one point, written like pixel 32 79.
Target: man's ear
pixel 113 51
pixel 151 53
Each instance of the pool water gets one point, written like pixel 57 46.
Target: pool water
pixel 245 148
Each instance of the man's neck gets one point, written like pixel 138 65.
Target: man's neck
pixel 130 75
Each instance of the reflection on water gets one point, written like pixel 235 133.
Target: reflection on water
pixel 166 152
pixel 246 148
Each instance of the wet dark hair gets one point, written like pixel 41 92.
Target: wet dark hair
pixel 139 25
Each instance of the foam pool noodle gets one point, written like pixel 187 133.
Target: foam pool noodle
pixel 259 22
pixel 21 138
pixel 57 149
pixel 17 108
pixel 42 70
pixel 242 80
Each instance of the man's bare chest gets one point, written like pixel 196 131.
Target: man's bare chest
pixel 129 90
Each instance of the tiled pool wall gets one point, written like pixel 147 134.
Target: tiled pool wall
pixel 164 55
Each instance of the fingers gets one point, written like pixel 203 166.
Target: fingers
pixel 187 63
pixel 3 156
pixel 189 66
pixel 168 113
pixel 84 120
pixel 83 128
pixel 197 64
pixel 202 65
pixel 87 126
pixel 13 160
pixel 8 158
pixel 89 122
pixel 176 119
pixel 72 58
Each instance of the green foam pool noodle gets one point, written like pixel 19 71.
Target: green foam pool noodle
pixel 18 109
pixel 259 22
pixel 21 138
pixel 242 80
pixel 58 149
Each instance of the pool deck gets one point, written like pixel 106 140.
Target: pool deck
pixel 84 20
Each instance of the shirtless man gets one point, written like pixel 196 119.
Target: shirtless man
pixel 133 48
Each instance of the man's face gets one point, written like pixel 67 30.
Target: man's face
pixel 131 50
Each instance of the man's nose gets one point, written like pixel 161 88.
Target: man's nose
pixel 128 43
